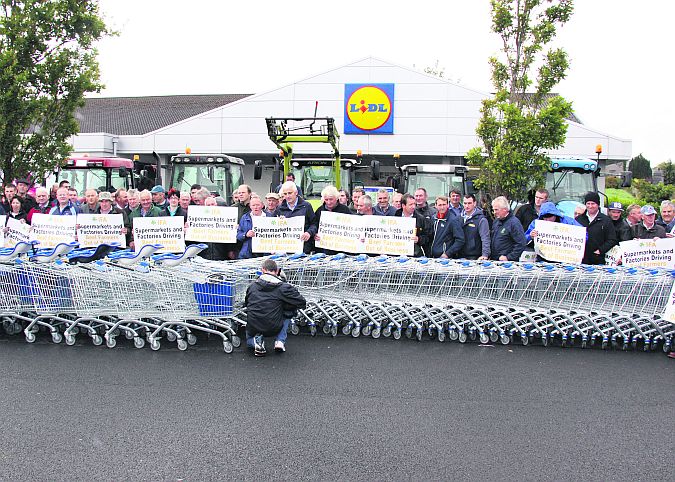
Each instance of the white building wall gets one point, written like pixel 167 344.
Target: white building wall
pixel 431 117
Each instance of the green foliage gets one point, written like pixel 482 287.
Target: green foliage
pixel 47 64
pixel 624 197
pixel 516 129
pixel 652 193
pixel 640 167
pixel 668 169
pixel 612 182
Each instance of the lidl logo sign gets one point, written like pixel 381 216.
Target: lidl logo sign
pixel 369 109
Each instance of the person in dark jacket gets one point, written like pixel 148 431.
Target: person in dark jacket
pixel 601 236
pixel 530 211
pixel 43 206
pixel 421 236
pixel 476 231
pixel 245 232
pixel 667 219
pixel 267 298
pixel 294 206
pixel 383 208
pixel 330 196
pixel 508 238
pixel 17 209
pixel 427 212
pixel 105 206
pixel 648 229
pixel 448 235
pixel 621 226
pixel 173 208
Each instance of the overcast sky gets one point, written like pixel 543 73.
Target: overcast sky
pixel 622 52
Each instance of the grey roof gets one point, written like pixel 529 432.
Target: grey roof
pixel 139 115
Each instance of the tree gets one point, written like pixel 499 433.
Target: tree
pixel 522 120
pixel 640 167
pixel 668 169
pixel 47 64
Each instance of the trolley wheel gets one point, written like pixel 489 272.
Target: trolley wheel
pixel 111 342
pixel 494 336
pixel 70 340
pixel 367 330
pixel 462 337
pixel 356 332
pixel 397 334
pixel 584 343
pixel 128 334
pixel 182 345
pixel 154 345
pixel 236 341
pixel 295 329
pixel 645 347
pixel 665 347
pixel 544 340
pixel 386 332
pixel 30 337
pixel 473 335
pixel 97 340
pixel 170 337
pixel 419 334
pixel 326 328
pixel 57 337
pixel 441 336
pixel 525 340
pixel 604 344
pixel 191 339
pixel 409 332
pixel 334 330
pixel 16 328
pixel 483 338
pixel 346 329
pixel 376 332
pixel 505 339
pixel 228 347
pixel 654 346
pixel 453 335
pixel 139 342
pixel 312 330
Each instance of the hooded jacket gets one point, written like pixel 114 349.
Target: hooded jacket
pixel 547 209
pixel 476 235
pixel 245 225
pixel 265 302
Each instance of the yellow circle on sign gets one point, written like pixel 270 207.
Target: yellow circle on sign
pixel 369 108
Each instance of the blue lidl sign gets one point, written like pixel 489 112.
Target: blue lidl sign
pixel 369 109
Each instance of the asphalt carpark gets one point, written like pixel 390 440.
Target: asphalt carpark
pixel 335 408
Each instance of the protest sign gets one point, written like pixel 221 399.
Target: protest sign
pixel 669 312
pixel 95 229
pixel 17 232
pixel 212 224
pixel 51 230
pixel 613 256
pixel 389 235
pixel 649 253
pixel 341 232
pixel 164 230
pixel 277 235
pixel 560 242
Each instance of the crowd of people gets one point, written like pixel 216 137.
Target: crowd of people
pixel 454 227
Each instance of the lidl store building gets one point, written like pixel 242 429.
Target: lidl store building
pixel 379 108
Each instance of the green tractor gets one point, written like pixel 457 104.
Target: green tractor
pixel 312 174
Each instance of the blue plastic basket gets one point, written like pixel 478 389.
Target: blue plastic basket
pixel 215 297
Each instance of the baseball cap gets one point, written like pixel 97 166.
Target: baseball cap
pixel 273 195
pixel 23 181
pixel 616 206
pixel 105 196
pixel 157 189
pixel 648 209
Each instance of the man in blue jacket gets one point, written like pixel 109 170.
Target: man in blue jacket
pixel 508 237
pixel 448 235
pixel 294 206
pixel 476 231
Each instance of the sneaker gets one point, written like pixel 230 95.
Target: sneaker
pixel 279 346
pixel 670 355
pixel 259 346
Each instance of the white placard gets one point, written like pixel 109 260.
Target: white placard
pixel 341 232
pixel 613 256
pixel 212 224
pixel 51 229
pixel 165 230
pixel 277 235
pixel 560 242
pixel 95 229
pixel 17 232
pixel 649 253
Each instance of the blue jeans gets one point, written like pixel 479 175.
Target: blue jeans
pixel 281 336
